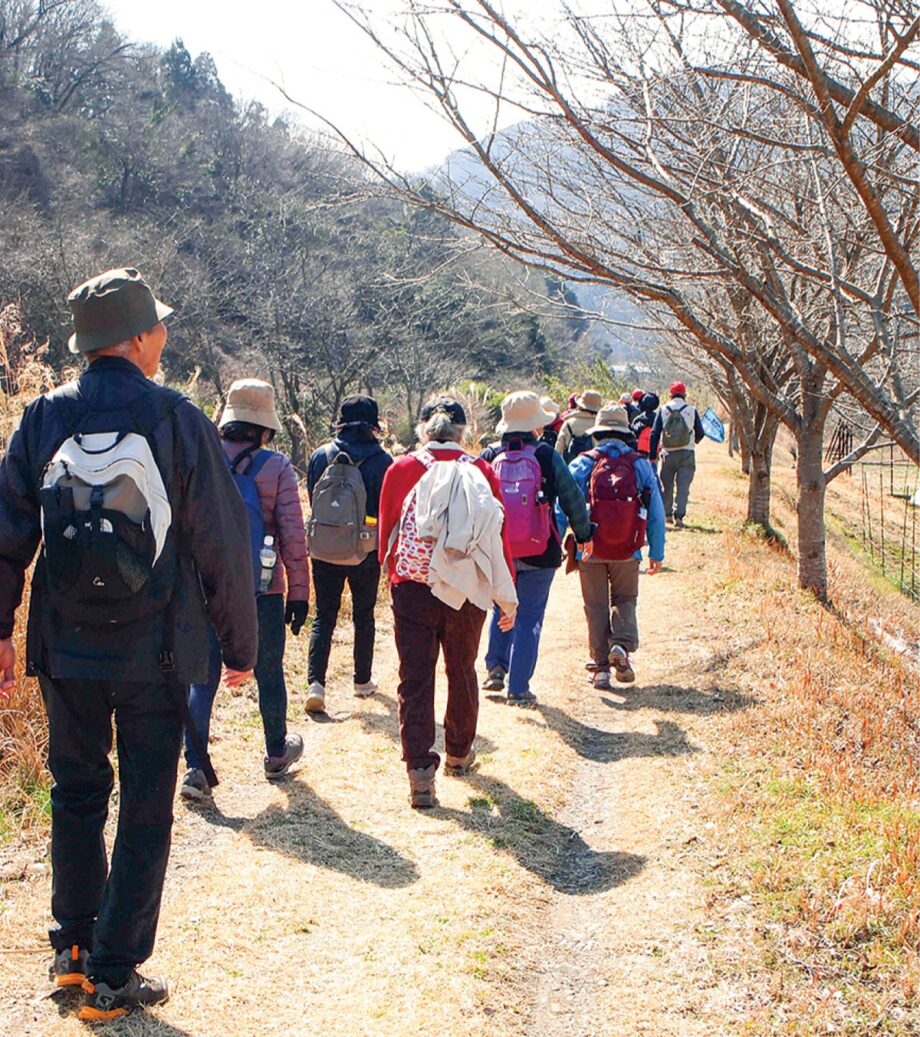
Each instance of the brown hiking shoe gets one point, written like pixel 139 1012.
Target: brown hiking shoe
pixel 600 679
pixel 457 766
pixel 619 660
pixel 421 787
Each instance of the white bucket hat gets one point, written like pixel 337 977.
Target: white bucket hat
pixel 252 400
pixel 612 418
pixel 523 412
pixel 550 405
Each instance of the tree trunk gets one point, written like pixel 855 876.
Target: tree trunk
pixel 811 490
pixel 760 459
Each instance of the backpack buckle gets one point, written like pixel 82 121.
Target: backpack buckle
pixel 167 660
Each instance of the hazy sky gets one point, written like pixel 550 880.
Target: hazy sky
pixel 321 57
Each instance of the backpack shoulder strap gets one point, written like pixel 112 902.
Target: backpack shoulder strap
pixel 259 458
pixel 424 456
pixel 247 454
pixel 160 403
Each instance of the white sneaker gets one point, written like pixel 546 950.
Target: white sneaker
pixel 316 698
pixel 364 691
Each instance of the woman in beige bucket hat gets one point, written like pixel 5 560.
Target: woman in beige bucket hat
pixel 532 477
pixel 249 421
pixel 574 438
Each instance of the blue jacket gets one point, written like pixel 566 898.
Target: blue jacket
pixel 646 479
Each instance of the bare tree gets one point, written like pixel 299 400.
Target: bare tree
pixel 644 164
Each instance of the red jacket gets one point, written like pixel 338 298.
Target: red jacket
pixel 399 482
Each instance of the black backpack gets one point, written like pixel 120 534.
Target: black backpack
pixel 577 445
pixel 109 546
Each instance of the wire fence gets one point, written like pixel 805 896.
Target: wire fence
pixel 890 501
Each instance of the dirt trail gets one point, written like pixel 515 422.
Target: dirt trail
pixel 557 891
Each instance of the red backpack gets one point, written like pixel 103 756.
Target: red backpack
pixel 616 505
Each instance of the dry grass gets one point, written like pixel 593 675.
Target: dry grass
pixel 820 786
pixel 24 784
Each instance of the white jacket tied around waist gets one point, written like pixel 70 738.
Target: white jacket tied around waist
pixel 455 507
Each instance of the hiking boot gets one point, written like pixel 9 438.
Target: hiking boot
pixel 195 785
pixel 364 691
pixel 457 766
pixel 592 667
pixel 495 681
pixel 619 660
pixel 69 967
pixel 316 698
pixel 421 787
pixel 278 766
pixel 104 1003
pixel 524 699
pixel 678 522
pixel 601 680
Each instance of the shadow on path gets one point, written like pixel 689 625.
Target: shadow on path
pixel 139 1024
pixel 672 698
pixel 609 746
pixel 552 851
pixel 309 830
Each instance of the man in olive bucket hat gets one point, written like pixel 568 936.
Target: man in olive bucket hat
pixel 123 483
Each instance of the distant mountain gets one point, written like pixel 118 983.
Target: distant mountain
pixel 526 150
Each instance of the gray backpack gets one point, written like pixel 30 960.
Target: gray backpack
pixel 676 431
pixel 336 530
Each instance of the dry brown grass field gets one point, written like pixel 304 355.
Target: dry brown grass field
pixel 728 848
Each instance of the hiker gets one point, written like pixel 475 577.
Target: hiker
pixel 573 436
pixel 268 485
pixel 676 432
pixel 532 477
pixel 624 502
pixel 642 425
pixel 550 433
pixel 125 483
pixel 344 481
pixel 448 560
pixel 626 402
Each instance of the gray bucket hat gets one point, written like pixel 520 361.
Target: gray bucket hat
pixel 111 308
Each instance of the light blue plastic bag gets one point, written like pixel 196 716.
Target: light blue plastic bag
pixel 712 426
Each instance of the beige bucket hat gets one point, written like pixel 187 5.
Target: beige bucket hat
pixel 549 405
pixel 612 418
pixel 252 400
pixel 590 400
pixel 523 412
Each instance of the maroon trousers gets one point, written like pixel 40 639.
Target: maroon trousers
pixel 423 626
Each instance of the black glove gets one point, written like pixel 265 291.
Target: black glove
pixel 296 615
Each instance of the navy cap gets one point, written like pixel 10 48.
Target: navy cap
pixel 450 407
pixel 359 410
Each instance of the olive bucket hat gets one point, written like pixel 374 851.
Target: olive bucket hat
pixel 111 308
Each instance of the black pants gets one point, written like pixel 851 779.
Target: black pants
pixel 328 584
pixel 111 911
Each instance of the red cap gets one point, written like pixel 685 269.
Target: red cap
pixel 678 389
pixel 638 394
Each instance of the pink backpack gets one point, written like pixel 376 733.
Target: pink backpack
pixel 527 512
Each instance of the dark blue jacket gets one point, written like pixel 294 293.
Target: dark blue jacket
pixel 208 520
pixel 360 443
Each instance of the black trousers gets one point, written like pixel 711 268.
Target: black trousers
pixel 328 585
pixel 112 911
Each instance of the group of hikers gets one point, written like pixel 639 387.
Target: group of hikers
pixel 160 535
